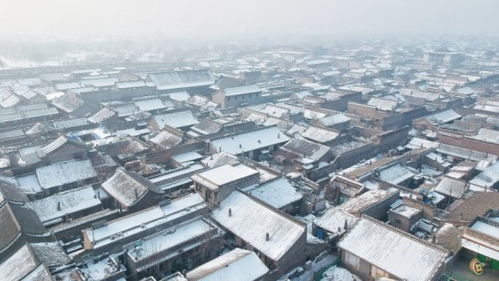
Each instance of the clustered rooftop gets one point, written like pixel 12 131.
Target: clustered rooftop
pixel 262 165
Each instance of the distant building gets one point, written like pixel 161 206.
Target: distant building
pixel 237 96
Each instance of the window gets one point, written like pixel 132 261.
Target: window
pixel 352 260
pixel 378 273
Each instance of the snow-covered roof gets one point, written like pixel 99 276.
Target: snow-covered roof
pixel 488 135
pixel 238 264
pixel 487 228
pixel 444 116
pixel 166 140
pixel 101 115
pixel 319 135
pixel 182 79
pixel 250 141
pixel 41 273
pixel 50 253
pixel 251 221
pixel 126 187
pixel 242 90
pixel 187 157
pixel 405 210
pixel 277 193
pixel 309 150
pixel 65 172
pixel 481 235
pixel 451 187
pixel 179 96
pixel 221 175
pixel 68 102
pixel 56 144
pixel 151 104
pixel 176 120
pixel 144 220
pixel 64 203
pixel 488 177
pixel 383 104
pixel 334 119
pixel 174 176
pixel 463 152
pixel 357 204
pixel 393 251
pixel 20 264
pixel 396 174
pixel 170 239
pixel 333 221
pixel 416 143
pixel 220 159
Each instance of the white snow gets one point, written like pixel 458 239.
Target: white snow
pixel 336 273
pixel 399 254
pixel 277 193
pixel 238 264
pixel 144 220
pixel 250 141
pixel 216 177
pixel 251 221
pixel 18 265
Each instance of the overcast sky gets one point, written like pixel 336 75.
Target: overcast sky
pixel 242 18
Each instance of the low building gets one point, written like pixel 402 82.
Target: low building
pixel 373 250
pixel 113 235
pixel 177 248
pixel 374 203
pixel 255 144
pixel 279 240
pixel 343 188
pixel 302 154
pixel 481 241
pixel 24 265
pixel 216 184
pixel 333 224
pixel 131 190
pixel 181 120
pixel 278 193
pixel 66 206
pixel 237 96
pixel 238 264
pixel 404 217
pixel 101 268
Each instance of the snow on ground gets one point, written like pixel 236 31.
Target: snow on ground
pixel 319 263
pixel 336 273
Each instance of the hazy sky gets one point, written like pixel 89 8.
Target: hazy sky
pixel 241 18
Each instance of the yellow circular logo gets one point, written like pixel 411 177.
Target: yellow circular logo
pixel 476 266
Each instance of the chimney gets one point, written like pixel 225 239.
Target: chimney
pixel 230 212
pixel 136 193
pixel 346 224
pixel 58 206
pixel 267 236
